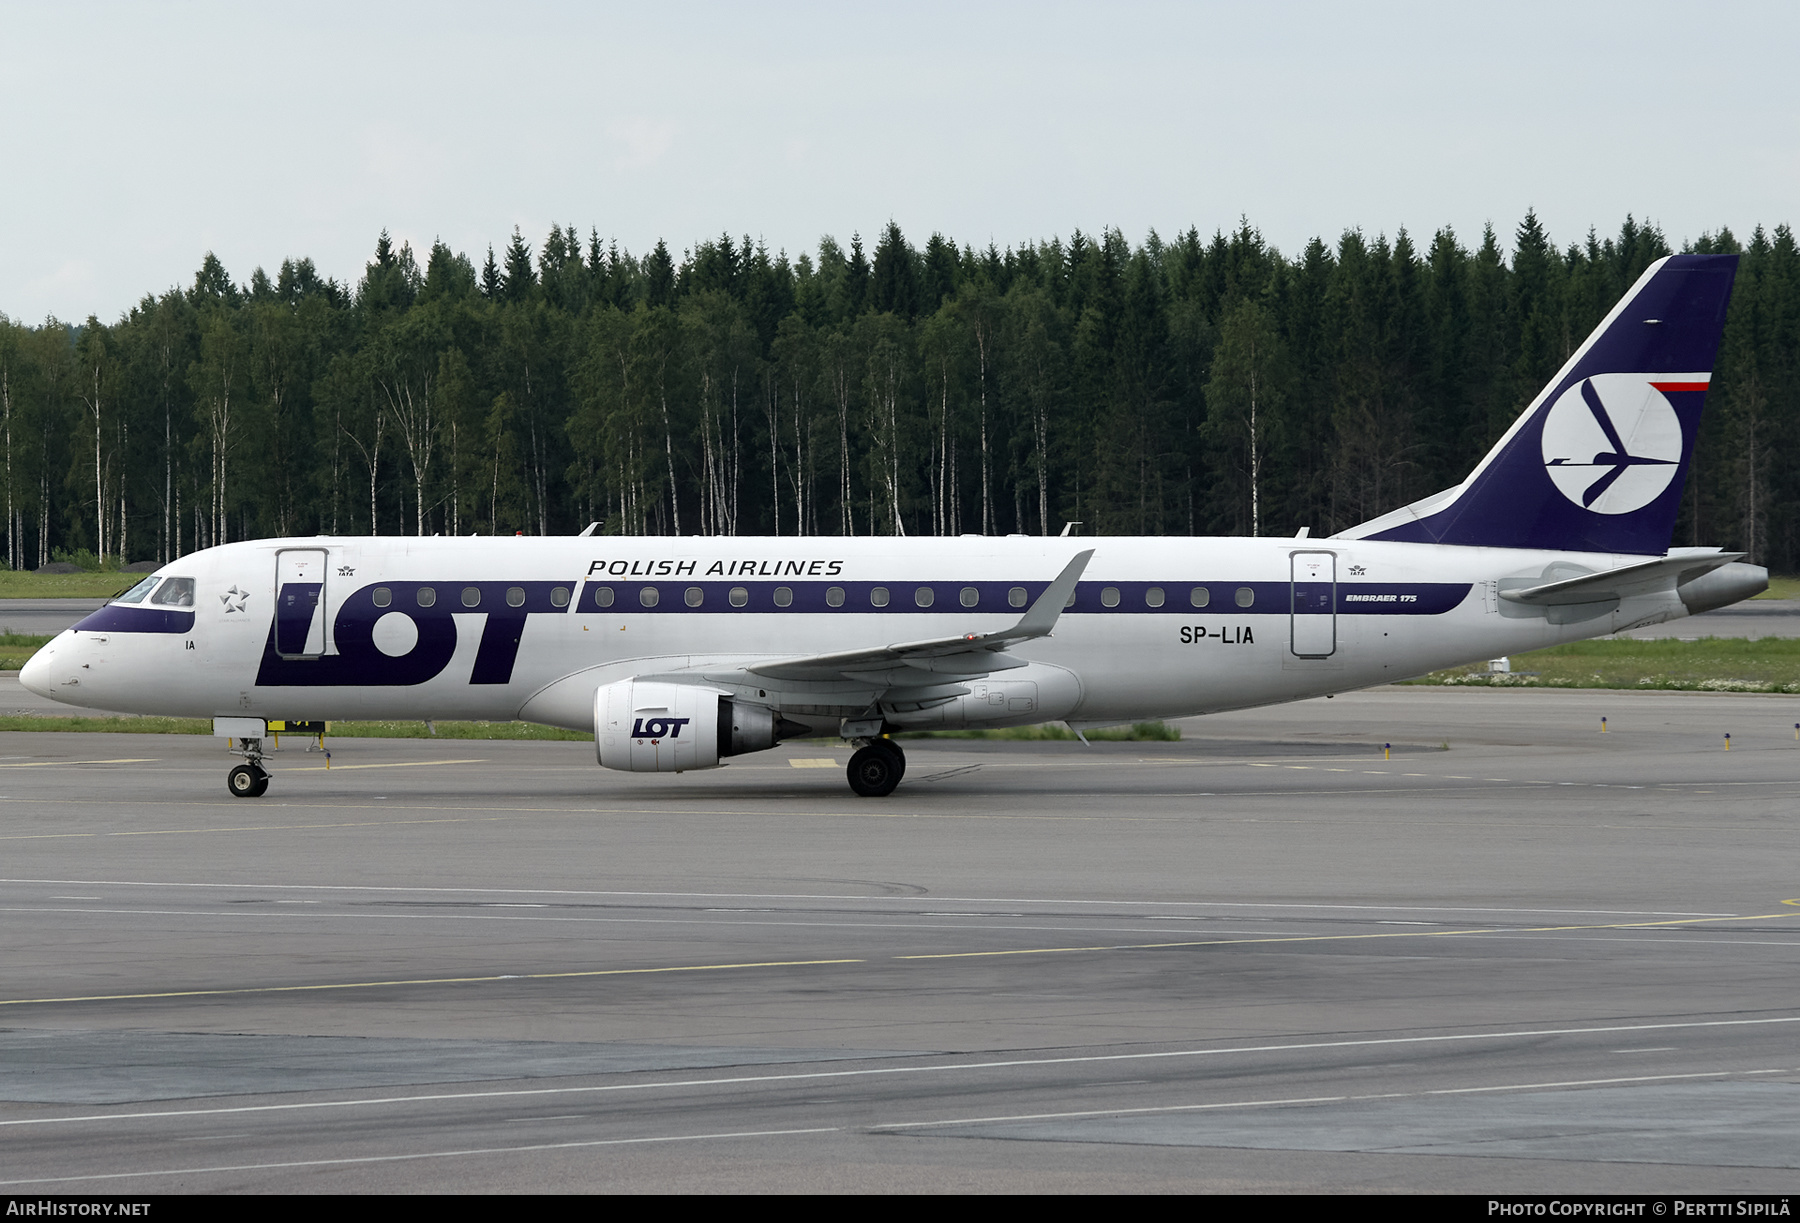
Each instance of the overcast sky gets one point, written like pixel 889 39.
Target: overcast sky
pixel 137 137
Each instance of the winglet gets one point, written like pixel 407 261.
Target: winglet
pixel 1041 616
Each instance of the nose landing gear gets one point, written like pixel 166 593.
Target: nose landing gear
pixel 249 779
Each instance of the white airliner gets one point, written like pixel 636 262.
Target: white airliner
pixel 678 653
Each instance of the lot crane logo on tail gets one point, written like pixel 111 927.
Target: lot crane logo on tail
pixel 1612 442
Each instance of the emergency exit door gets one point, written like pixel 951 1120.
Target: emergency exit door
pixel 1314 630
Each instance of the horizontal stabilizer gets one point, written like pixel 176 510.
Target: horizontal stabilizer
pixel 1665 572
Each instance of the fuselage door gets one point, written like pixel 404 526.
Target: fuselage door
pixel 300 602
pixel 1315 604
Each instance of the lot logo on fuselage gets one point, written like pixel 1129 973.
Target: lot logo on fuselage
pixel 657 728
pixel 410 636
pixel 1612 443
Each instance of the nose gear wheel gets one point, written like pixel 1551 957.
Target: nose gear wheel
pixel 247 781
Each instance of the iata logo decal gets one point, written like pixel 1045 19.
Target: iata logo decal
pixel 1612 443
pixel 657 728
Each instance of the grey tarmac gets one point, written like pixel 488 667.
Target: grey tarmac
pixel 1412 939
pixel 45 616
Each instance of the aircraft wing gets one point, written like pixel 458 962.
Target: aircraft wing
pixel 940 659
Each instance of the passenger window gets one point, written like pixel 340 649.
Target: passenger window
pixel 427 596
pixel 1245 596
pixel 970 596
pixel 923 596
pixel 603 596
pixel 136 593
pixel 471 596
pixel 834 596
pixel 1109 597
pixel 694 596
pixel 878 596
pixel 783 597
pixel 559 597
pixel 1153 597
pixel 647 596
pixel 1199 596
pixel 1016 596
pixel 515 596
pixel 382 596
pixel 175 592
pixel 738 596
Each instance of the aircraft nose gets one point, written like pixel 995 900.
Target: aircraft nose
pixel 35 675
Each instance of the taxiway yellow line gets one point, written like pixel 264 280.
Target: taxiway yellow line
pixel 402 764
pixel 42 764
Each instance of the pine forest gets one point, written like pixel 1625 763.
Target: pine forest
pixel 1188 387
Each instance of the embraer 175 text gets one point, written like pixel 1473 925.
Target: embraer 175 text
pixel 679 653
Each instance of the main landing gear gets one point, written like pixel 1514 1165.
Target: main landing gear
pixel 877 768
pixel 249 779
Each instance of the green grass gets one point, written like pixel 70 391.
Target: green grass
pixel 455 730
pixel 18 584
pixel 133 726
pixel 1137 732
pixel 1781 588
pixel 1711 664
pixel 16 648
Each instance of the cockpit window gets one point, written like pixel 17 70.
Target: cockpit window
pixel 175 592
pixel 136 593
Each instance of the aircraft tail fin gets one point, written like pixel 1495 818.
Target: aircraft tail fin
pixel 1598 461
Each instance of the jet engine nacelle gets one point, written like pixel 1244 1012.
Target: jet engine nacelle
pixel 648 726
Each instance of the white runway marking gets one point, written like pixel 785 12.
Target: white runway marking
pixel 387 1159
pixel 1383 1095
pixel 935 1068
pixel 859 899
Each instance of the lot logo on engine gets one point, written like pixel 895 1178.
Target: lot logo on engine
pixel 656 728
